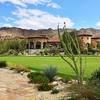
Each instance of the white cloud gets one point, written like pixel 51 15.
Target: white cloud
pixel 24 3
pixel 15 2
pixel 53 5
pixel 37 19
pixel 98 24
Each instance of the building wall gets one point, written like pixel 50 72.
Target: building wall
pixel 94 42
pixel 86 39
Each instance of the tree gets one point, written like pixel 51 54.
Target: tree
pixel 15 45
pixel 22 45
pixel 69 42
pixel 98 45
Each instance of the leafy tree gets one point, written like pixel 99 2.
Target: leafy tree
pixel 16 45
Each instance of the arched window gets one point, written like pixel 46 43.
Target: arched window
pixel 38 45
pixel 31 45
pixel 44 44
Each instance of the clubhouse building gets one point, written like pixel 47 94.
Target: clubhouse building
pixel 39 39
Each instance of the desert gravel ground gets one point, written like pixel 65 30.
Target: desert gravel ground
pixel 14 86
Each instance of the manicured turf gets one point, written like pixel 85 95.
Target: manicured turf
pixel 38 63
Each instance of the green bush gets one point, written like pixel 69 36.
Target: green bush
pixel 96 75
pixel 37 78
pixel 45 87
pixel 94 84
pixel 50 72
pixel 3 64
pixel 95 78
pixel 12 52
pixel 12 46
pixel 54 91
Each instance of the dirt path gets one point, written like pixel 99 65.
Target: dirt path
pixel 14 86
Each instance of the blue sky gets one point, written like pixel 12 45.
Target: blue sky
pixel 36 14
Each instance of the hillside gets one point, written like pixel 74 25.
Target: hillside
pixel 24 33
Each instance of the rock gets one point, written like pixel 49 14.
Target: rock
pixel 55 83
pixel 56 78
pixel 69 82
pixel 84 82
pixel 60 82
pixel 26 73
pixel 59 88
pixel 73 81
pixel 21 73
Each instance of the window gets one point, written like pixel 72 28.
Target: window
pixel 38 45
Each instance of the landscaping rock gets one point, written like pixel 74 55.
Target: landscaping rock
pixel 21 73
pixel 55 83
pixel 59 87
pixel 56 78
pixel 73 81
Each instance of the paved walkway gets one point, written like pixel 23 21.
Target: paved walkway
pixel 14 86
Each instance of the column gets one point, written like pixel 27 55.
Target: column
pixel 34 45
pixel 41 45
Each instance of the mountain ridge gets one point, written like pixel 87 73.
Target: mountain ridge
pixel 19 32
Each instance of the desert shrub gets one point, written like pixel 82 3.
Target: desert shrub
pixel 32 76
pixel 18 68
pixel 66 79
pixel 54 91
pixel 95 91
pixel 95 78
pixel 50 72
pixel 12 52
pixel 42 80
pixel 85 92
pixel 38 78
pixel 82 92
pixel 45 87
pixel 76 97
pixel 54 50
pixel 12 46
pixel 96 75
pixel 94 84
pixel 46 51
pixel 3 64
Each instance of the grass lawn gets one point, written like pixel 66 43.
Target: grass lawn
pixel 38 63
